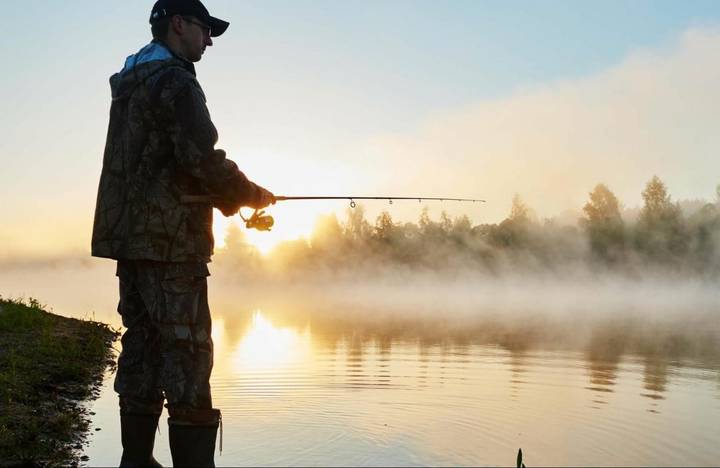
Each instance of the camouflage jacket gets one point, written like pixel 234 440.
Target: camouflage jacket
pixel 160 146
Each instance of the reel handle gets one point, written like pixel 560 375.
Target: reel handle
pixel 258 221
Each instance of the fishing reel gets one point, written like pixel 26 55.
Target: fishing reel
pixel 258 220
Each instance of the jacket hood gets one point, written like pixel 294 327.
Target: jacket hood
pixel 147 62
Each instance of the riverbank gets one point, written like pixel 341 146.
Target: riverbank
pixel 49 366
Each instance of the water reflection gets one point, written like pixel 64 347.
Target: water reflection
pixel 518 362
pixel 322 386
pixel 423 356
pixel 267 348
pixel 655 378
pixel 354 362
pixel 370 355
pixel 383 348
pixel 268 341
pixel 604 351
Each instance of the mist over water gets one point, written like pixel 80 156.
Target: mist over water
pixel 656 315
pixel 662 314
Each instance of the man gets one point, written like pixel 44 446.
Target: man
pixel 160 148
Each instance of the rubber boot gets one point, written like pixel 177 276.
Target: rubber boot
pixel 193 444
pixel 138 439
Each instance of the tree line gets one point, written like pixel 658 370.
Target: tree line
pixel 661 236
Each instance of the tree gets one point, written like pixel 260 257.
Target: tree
pixel 384 227
pixel 519 212
pixel 514 231
pixel 704 233
pixel 431 231
pixel 462 225
pixel 603 224
pixel 445 222
pixel 660 231
pixel 657 200
pixel 357 228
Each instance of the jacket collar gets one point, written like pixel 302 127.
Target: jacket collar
pixel 186 63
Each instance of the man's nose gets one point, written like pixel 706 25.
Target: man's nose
pixel 208 41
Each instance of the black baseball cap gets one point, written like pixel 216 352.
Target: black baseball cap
pixel 167 8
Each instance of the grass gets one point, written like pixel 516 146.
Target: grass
pixel 48 365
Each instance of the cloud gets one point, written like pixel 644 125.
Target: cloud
pixel 653 113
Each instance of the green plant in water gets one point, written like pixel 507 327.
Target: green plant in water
pixel 520 463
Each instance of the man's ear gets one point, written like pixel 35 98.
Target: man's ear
pixel 177 24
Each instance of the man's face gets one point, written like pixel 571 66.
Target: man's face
pixel 195 38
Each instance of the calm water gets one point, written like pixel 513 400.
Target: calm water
pixel 338 394
pixel 440 375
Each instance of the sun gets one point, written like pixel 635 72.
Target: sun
pixel 292 221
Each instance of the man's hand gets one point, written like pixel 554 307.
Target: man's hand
pixel 263 198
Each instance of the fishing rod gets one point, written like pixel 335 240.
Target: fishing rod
pixel 390 199
pixel 262 222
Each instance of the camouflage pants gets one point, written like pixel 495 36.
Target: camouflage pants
pixel 167 349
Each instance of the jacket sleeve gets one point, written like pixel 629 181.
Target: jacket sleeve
pixel 194 137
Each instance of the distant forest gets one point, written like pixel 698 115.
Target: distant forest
pixel 662 236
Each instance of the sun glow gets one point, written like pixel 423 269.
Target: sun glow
pixel 285 173
pixel 267 347
pixel 292 222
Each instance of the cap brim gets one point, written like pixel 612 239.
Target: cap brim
pixel 217 26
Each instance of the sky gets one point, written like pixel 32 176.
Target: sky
pixel 480 99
